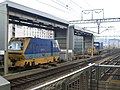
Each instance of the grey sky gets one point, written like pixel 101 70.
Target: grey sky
pixel 71 9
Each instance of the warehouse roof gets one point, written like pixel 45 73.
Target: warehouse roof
pixel 30 10
pixel 80 31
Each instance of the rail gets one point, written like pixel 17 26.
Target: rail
pixel 109 66
pixel 51 82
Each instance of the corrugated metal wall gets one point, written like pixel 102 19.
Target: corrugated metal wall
pixel 87 43
pixel 61 36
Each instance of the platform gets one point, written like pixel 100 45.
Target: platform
pixel 4 84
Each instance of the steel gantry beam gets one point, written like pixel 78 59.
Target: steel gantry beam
pixel 105 20
pixel 98 21
pixel 108 36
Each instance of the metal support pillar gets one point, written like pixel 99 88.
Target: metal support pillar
pixel 6 44
pixel 83 46
pixel 98 23
pixel 97 78
pixel 92 45
pixel 90 78
pixel 98 29
pixel 81 82
pixel 86 79
pixel 64 86
pixel 67 57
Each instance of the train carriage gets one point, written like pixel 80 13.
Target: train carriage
pixel 32 51
pixel 96 49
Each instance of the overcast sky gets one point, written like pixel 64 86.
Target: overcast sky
pixel 71 9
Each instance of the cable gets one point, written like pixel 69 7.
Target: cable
pixel 75 12
pixel 80 8
pixel 65 6
pixel 76 4
pixel 88 4
pixel 55 8
pixel 50 5
pixel 62 4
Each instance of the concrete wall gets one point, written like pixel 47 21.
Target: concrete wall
pixel 4 84
pixel 79 39
pixel 61 36
pixel 3 26
pixel 71 37
pixel 87 43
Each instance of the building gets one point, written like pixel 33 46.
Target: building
pixel 26 31
pixel 27 22
pixel 79 40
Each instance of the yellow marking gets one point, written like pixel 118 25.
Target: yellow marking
pixel 115 81
pixel 26 42
pixel 90 51
pixel 13 51
pixel 37 61
pixel 19 53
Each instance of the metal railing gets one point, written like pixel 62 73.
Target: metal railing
pixel 74 80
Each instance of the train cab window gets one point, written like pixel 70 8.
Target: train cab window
pixel 21 43
pixel 16 45
pixel 21 46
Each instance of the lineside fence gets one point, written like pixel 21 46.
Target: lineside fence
pixel 87 78
pixel 77 80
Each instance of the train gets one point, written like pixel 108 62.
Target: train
pixel 96 49
pixel 28 51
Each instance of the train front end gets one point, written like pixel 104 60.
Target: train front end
pixel 16 49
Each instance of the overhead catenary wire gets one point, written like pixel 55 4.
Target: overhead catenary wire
pixel 98 11
pixel 61 4
pixel 76 14
pixel 88 4
pixel 80 6
pixel 76 4
pixel 57 8
pixel 66 6
pixel 50 5
pixel 3 12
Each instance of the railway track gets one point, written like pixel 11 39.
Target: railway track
pixel 26 81
pixel 17 84
pixel 105 75
pixel 101 75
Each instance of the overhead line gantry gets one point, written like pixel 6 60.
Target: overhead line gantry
pixel 93 20
pixel 98 21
